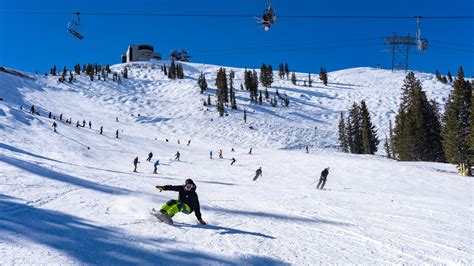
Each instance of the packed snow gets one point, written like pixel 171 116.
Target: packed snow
pixel 71 197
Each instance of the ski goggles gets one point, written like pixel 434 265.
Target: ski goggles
pixel 188 187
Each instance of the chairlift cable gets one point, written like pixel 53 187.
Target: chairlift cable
pixel 227 15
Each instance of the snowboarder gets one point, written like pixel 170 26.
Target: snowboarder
pixel 77 124
pixel 55 126
pixel 157 163
pixel 189 142
pixel 32 110
pixel 250 151
pixel 220 154
pixel 187 202
pixel 323 178
pixel 116 134
pixel 90 125
pixel 233 161
pixel 101 130
pixel 176 156
pixel 210 154
pixel 150 155
pixel 135 163
pixel 258 173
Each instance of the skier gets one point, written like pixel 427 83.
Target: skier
pixel 83 123
pixel 101 130
pixel 50 115
pixel 135 163
pixel 233 161
pixel 307 149
pixel 187 202
pixel 232 150
pixel 116 134
pixel 178 142
pixel 176 156
pixel 32 110
pixel 77 124
pixel 90 125
pixel 220 154
pixel 258 173
pixel 55 126
pixel 189 142
pixel 150 155
pixel 250 151
pixel 323 178
pixel 210 154
pixel 116 119
pixel 61 117
pixel 157 163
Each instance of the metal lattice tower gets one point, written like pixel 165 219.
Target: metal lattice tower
pixel 400 49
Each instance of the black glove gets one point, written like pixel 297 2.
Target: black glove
pixel 160 188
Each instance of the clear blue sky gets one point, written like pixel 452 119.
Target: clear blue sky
pixel 37 41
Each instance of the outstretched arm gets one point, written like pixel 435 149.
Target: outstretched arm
pixel 172 188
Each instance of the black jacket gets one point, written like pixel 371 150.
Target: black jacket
pixel 324 174
pixel 188 197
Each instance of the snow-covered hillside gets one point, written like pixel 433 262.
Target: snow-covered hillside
pixel 71 197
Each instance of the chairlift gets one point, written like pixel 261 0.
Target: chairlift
pixel 73 27
pixel 268 17
pixel 421 44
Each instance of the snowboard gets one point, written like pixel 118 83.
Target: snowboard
pixel 161 217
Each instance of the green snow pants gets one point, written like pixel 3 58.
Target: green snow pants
pixel 172 207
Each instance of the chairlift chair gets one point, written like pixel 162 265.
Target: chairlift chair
pixel 73 27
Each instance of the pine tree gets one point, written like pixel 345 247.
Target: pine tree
pixel 390 138
pixel 386 145
pixel 450 78
pixel 370 140
pixel 287 71
pixel 342 134
pixel 355 129
pixel 172 70
pixel 417 127
pixel 260 99
pixel 221 84
pixel 456 119
pixel 438 75
pixel 323 76
pixel 165 71
pixel 254 88
pixel 281 71
pixel 202 82
pixel 293 78
pixel 310 82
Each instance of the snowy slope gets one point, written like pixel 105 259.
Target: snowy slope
pixel 62 203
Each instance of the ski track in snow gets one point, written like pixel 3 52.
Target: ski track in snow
pixel 61 203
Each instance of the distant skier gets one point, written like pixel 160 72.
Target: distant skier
pixel 307 149
pixel 250 151
pixel 61 117
pixel 150 155
pixel 176 156
pixel 77 124
pixel 135 163
pixel 83 123
pixel 323 178
pixel 258 173
pixel 167 140
pixel 210 154
pixel 178 142
pixel 189 142
pixel 157 163
pixel 55 126
pixel 101 130
pixel 90 125
pixel 32 110
pixel 187 202
pixel 233 161
pixel 220 154
pixel 116 119
pixel 232 150
pixel 116 134
pixel 50 115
